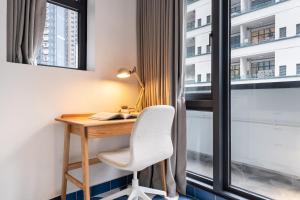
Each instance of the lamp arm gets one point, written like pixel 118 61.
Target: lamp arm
pixel 139 80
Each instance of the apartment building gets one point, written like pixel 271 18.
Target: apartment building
pixel 264 36
pixel 60 46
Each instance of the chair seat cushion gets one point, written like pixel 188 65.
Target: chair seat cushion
pixel 119 159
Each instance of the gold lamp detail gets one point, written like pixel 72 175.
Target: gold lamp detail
pixel 126 73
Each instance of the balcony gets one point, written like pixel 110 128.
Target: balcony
pixel 190 25
pixel 236 10
pixel 264 4
pixel 262 74
pixel 190 51
pixel 191 1
pixel 258 6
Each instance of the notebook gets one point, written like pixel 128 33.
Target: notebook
pixel 103 116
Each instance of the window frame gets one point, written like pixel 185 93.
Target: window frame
pixel 218 101
pixel 80 7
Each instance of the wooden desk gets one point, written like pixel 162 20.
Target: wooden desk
pixel 81 125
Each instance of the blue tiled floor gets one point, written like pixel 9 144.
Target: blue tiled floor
pixel 155 198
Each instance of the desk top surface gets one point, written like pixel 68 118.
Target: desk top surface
pixel 83 120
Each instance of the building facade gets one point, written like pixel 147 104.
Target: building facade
pixel 265 37
pixel 60 39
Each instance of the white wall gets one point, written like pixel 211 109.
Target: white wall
pixel 31 97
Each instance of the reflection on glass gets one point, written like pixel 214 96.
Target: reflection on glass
pixel 60 40
pixel 197 46
pixel 200 143
pixel 265 125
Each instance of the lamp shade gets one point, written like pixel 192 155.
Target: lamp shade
pixel 124 73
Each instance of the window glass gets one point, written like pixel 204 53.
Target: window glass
pixel 298 29
pixel 199 143
pixel 208 19
pixel 199 22
pixel 197 46
pixel 282 70
pixel 60 39
pixel 190 74
pixel 265 139
pixel 282 32
pixel 298 69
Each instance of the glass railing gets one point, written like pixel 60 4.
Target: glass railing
pixel 236 9
pixel 262 5
pixel 190 25
pixel 235 77
pixel 237 45
pixel 191 1
pixel 256 6
pixel 189 82
pixel 263 74
pixel 190 52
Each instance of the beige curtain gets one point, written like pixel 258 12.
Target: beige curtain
pixel 25 27
pixel 159 24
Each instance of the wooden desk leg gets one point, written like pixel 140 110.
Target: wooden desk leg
pixel 67 136
pixel 85 164
pixel 163 175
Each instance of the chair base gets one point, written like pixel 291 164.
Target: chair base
pixel 136 191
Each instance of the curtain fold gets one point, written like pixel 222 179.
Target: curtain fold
pixel 25 27
pixel 160 65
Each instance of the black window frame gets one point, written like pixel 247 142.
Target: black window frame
pixel 80 7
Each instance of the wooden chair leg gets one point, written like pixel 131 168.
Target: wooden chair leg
pixel 163 175
pixel 67 137
pixel 85 164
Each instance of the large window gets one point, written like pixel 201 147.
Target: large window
pixel 64 40
pixel 198 72
pixel 264 121
pixel 243 125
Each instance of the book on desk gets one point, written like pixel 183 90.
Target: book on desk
pixel 104 116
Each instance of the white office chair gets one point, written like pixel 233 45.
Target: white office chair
pixel 150 143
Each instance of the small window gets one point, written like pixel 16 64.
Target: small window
pixel 199 78
pixel 208 77
pixel 298 69
pixel 282 70
pixel 208 48
pixel 208 19
pixel 64 40
pixel 298 29
pixel 199 22
pixel 190 74
pixel 199 50
pixel 282 32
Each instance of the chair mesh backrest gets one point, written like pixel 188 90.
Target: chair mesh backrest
pixel 151 141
